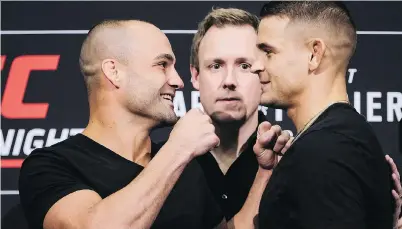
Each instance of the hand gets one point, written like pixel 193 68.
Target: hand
pixel 271 144
pixel 194 133
pixel 396 192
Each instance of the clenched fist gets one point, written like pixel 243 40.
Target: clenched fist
pixel 194 133
pixel 271 144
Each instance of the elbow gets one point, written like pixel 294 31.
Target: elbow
pixel 96 221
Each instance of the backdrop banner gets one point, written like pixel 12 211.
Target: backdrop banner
pixel 44 99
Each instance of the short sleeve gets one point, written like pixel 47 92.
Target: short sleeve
pixel 45 178
pixel 330 176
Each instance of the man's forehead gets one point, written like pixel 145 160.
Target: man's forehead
pixel 229 41
pixel 271 27
pixel 154 46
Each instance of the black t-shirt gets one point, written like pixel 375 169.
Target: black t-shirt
pixel 79 163
pixel 334 176
pixel 231 189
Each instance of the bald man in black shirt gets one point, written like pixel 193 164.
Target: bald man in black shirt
pixel 112 175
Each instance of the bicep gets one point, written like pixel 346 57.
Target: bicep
pixel 71 211
pixel 44 180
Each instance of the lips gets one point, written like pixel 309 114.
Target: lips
pixel 167 96
pixel 228 99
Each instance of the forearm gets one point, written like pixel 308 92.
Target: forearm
pixel 138 204
pixel 245 217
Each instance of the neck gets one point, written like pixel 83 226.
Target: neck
pixel 120 131
pixel 232 140
pixel 317 98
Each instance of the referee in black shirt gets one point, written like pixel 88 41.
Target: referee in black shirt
pixel 334 175
pixel 230 95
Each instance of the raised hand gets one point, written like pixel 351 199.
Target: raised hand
pixel 271 144
pixel 194 133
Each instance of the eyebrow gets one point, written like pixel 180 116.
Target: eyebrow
pixel 215 60
pixel 264 46
pixel 165 56
pixel 221 61
pixel 242 60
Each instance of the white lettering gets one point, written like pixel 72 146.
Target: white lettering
pixel 394 107
pixel 357 101
pixel 75 131
pixel 30 143
pixel 278 115
pixel 18 142
pixel 51 138
pixel 352 72
pixel 179 104
pixel 6 145
pixel 371 106
pixel 263 109
pixel 195 100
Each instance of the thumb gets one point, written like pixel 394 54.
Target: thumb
pixel 258 149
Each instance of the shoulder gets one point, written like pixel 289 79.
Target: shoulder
pixel 322 150
pixel 55 154
pixel 319 141
pixel 344 120
pixel 340 132
pixel 334 156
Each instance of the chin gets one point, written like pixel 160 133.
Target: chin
pixel 170 119
pixel 227 118
pixel 273 104
pixel 166 118
pixel 166 122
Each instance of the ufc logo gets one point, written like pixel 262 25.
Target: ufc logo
pixel 12 106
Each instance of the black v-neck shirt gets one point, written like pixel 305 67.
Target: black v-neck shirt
pixel 79 163
pixel 231 189
pixel 333 177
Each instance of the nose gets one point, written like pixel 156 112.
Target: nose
pixel 175 80
pixel 230 80
pixel 258 66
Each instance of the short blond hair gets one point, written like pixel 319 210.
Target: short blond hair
pixel 220 17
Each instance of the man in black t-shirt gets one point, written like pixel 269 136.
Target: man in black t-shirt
pixel 334 175
pixel 111 175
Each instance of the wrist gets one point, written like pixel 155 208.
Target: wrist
pixel 181 154
pixel 264 173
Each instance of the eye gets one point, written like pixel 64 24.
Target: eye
pixel 267 51
pixel 245 66
pixel 215 66
pixel 163 64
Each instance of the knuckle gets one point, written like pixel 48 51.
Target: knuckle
pixel 277 128
pixel 286 133
pixel 256 147
pixel 281 140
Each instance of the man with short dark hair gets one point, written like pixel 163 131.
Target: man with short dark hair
pixel 334 175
